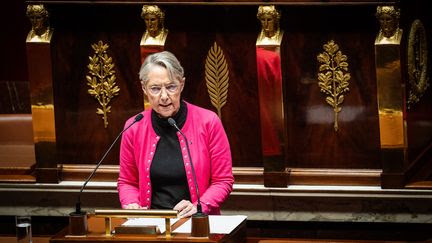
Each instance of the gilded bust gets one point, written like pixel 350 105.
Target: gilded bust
pixel 155 34
pixel 38 17
pixel 388 17
pixel 270 33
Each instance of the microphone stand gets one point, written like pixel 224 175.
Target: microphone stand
pixel 200 220
pixel 78 218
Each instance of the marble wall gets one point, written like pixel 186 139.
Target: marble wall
pixel 294 203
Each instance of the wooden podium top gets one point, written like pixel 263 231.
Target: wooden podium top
pixel 96 233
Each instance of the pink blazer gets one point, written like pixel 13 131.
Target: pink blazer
pixel 209 148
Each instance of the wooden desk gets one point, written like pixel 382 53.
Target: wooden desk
pixel 96 233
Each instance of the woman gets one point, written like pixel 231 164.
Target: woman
pixel 155 169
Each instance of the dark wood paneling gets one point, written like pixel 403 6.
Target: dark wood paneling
pixel 243 175
pixel 419 116
pixel 246 175
pixel 14 92
pixel 312 140
pixel 81 137
pixel 336 232
pixel 14 97
pixel 302 176
pixel 12 43
pixel 191 36
pixel 233 29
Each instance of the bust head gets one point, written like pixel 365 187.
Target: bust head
pixel 154 19
pixel 388 16
pixel 269 17
pixel 38 16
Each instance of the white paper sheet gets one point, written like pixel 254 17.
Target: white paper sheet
pixel 159 222
pixel 219 224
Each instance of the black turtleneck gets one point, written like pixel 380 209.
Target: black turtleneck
pixel 167 172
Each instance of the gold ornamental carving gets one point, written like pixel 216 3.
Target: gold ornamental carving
pixel 333 77
pixel 156 33
pixel 39 19
pixel 217 77
pixel 417 62
pixel 101 79
pixel 271 34
pixel 388 17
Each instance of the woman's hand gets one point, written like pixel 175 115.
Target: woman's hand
pixel 133 206
pixel 185 208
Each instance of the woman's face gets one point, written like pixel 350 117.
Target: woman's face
pixel 162 93
pixel 388 24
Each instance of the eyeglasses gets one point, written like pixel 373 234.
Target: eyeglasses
pixel 157 90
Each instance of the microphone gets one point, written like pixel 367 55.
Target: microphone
pixel 200 221
pixel 78 212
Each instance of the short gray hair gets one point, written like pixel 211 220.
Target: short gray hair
pixel 163 59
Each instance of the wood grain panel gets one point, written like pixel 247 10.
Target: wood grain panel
pixel 312 141
pixel 193 30
pixel 419 116
pixel 15 97
pixel 81 136
pixel 233 29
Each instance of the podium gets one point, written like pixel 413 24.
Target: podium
pixel 96 233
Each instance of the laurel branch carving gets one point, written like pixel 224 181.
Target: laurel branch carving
pixel 101 79
pixel 333 77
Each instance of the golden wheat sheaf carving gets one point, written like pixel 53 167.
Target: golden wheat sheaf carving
pixel 333 77
pixel 101 79
pixel 217 77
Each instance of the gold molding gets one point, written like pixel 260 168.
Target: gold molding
pixel 101 79
pixel 333 79
pixel 417 62
pixel 217 77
